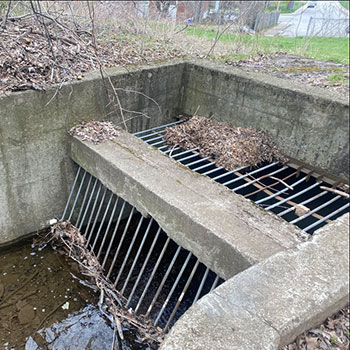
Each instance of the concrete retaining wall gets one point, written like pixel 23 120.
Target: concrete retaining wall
pixel 35 169
pixel 308 124
pixel 268 305
pixel 36 173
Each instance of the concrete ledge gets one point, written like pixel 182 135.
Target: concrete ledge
pixel 225 231
pixel 269 304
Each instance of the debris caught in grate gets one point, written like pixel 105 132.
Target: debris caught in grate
pixel 299 195
pixel 230 146
pixel 95 131
pixel 70 241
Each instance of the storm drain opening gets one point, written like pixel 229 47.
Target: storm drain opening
pixel 288 190
pixel 158 278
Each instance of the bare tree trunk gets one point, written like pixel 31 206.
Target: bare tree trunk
pixel 197 11
pixel 4 20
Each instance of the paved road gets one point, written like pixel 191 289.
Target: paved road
pixel 327 19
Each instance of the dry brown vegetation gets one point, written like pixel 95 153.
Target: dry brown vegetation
pixel 231 147
pixel 333 333
pixel 51 42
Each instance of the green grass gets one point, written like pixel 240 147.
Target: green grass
pixel 339 78
pixel 327 49
pixel 345 4
pixel 284 4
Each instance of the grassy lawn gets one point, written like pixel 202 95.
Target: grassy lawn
pixel 284 4
pixel 345 4
pixel 328 49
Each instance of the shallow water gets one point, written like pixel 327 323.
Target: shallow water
pixel 44 303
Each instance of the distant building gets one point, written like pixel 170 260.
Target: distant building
pixel 179 11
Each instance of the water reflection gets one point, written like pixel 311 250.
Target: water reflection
pixel 86 329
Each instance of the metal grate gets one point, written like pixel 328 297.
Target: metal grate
pixel 158 278
pixel 294 195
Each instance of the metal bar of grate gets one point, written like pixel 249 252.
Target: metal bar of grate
pixel 114 234
pixel 77 196
pixel 163 280
pixel 279 192
pixel 143 266
pixel 256 180
pixel 201 285
pixel 137 256
pixel 121 269
pixel 249 174
pixel 315 210
pixel 157 128
pixel 189 280
pixel 302 203
pixel 87 206
pixel 120 242
pixel 306 229
pixel 108 226
pixel 89 236
pixel 282 191
pixel 173 288
pixel 292 197
pixel 71 193
pixel 102 221
pixel 152 274
pixel 132 242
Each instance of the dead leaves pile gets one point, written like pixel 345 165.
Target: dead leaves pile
pixel 334 333
pixel 231 147
pixel 29 59
pixel 95 131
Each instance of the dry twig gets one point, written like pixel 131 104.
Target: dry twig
pixel 333 190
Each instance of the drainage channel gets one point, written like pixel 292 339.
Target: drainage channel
pixel 159 279
pixel 298 197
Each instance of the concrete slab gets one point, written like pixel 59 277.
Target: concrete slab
pixel 289 293
pixel 225 231
pixel 213 324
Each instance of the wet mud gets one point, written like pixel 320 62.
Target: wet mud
pixel 46 304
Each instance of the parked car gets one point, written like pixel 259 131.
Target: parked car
pixel 311 4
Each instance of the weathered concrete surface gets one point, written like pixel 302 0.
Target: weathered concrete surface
pixel 308 123
pixel 225 231
pixel 35 169
pixel 36 173
pixel 269 304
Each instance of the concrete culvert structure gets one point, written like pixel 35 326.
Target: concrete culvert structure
pixel 250 273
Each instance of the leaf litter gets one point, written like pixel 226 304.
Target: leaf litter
pixel 32 60
pixel 95 131
pixel 231 147
pixel 332 334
